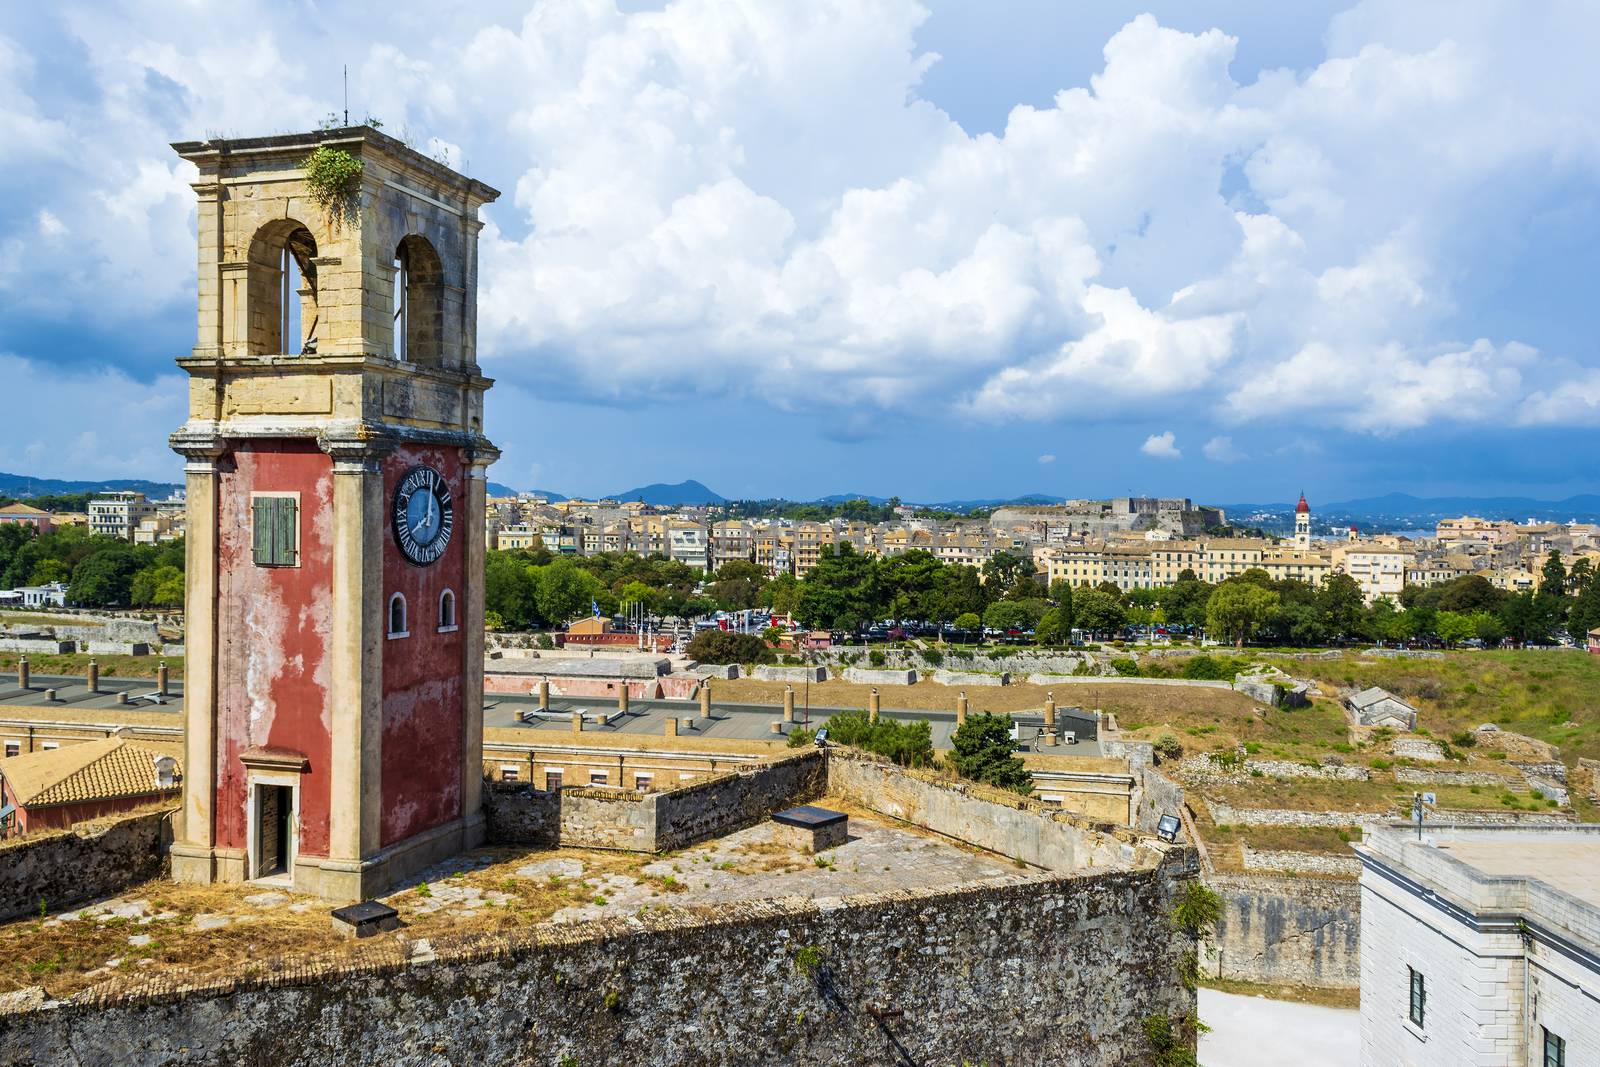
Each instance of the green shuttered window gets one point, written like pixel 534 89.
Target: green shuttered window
pixel 275 530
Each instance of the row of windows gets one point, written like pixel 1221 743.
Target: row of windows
pixel 1555 1047
pixel 643 781
pixel 399 624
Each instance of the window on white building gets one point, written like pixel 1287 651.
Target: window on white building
pixel 1419 996
pixel 1555 1050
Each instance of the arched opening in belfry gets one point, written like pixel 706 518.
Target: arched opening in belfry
pixel 282 296
pixel 418 302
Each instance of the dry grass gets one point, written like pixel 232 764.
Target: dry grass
pixel 72 956
pixel 1140 702
pixel 76 664
pixel 1331 998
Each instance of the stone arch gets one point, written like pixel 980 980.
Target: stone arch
pixel 281 297
pixel 418 302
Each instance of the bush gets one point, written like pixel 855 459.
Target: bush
pixel 716 646
pixel 1464 739
pixel 801 736
pixel 910 744
pixel 876 657
pixel 1167 747
pixel 932 656
pixel 1209 668
pixel 1127 668
pixel 982 749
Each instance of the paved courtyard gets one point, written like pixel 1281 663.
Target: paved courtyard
pixel 1257 1032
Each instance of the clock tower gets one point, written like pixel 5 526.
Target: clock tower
pixel 333 687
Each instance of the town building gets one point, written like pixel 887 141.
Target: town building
pixel 27 515
pixel 335 473
pixel 54 788
pixel 1379 569
pixel 1480 945
pixel 119 514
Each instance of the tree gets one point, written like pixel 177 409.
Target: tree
pixel 782 594
pixel 1468 593
pixel 1341 604
pixel 564 591
pixel 841 591
pixel 1454 627
pixel 508 589
pixel 1237 609
pixel 1049 631
pixel 104 580
pixel 1006 615
pixel 1531 617
pixel 719 646
pixel 1553 575
pixel 1584 615
pixel 1097 611
pixel 982 749
pixel 1488 628
pixel 968 621
pixel 1003 571
pixel 1061 595
pixel 157 587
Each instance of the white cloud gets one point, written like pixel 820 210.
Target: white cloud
pixel 1048 457
pixel 753 200
pixel 1161 446
pixel 1221 449
pixel 43 424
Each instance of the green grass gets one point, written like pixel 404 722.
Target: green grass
pixel 76 664
pixel 1551 696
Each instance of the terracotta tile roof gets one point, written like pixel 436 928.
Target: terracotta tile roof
pixel 93 770
pixel 21 509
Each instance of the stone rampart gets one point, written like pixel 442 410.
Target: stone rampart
pixel 790 674
pixel 1285 861
pixel 601 817
pixel 1419 776
pixel 875 676
pixel 91 860
pixel 940 976
pixel 971 678
pixel 1001 822
pixel 1228 815
pixel 1278 929
pixel 728 802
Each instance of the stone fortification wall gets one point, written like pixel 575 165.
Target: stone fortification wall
pixel 92 860
pixel 1001 822
pixel 516 813
pixel 936 977
pixel 971 678
pixel 1288 861
pixel 1278 929
pixel 592 817
pixel 1228 815
pixel 790 674
pixel 729 802
pixel 49 646
pixel 873 676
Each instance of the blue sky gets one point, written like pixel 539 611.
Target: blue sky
pixel 943 250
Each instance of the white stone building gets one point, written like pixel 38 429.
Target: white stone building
pixel 1480 945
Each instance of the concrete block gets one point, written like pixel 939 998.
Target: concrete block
pixel 971 678
pixel 791 674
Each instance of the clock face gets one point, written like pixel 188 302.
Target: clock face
pixel 423 515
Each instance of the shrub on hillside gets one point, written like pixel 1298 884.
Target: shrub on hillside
pixel 982 749
pixel 909 744
pixel 717 646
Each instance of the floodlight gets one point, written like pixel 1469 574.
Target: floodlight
pixel 822 736
pixel 1167 828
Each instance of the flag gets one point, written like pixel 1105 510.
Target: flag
pixel 594 606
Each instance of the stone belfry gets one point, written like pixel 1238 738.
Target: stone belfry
pixel 335 471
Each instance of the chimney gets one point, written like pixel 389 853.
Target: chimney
pixel 788 703
pixel 961 708
pixel 94 676
pixel 705 699
pixel 622 698
pixel 544 694
pixel 672 726
pixel 872 705
pixel 162 679
pixel 577 722
pixel 24 674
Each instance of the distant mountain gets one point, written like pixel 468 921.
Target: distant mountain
pixel 689 492
pixel 501 489
pixel 24 485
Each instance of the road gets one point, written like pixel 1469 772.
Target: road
pixel 1256 1032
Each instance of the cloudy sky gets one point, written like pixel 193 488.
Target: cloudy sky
pixel 940 249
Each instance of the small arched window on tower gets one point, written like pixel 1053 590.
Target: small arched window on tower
pixel 447 612
pixel 397 617
pixel 418 302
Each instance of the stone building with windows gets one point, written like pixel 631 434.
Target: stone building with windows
pixel 1480 945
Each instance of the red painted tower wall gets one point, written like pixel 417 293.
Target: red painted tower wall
pixel 273 628
pixel 422 683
